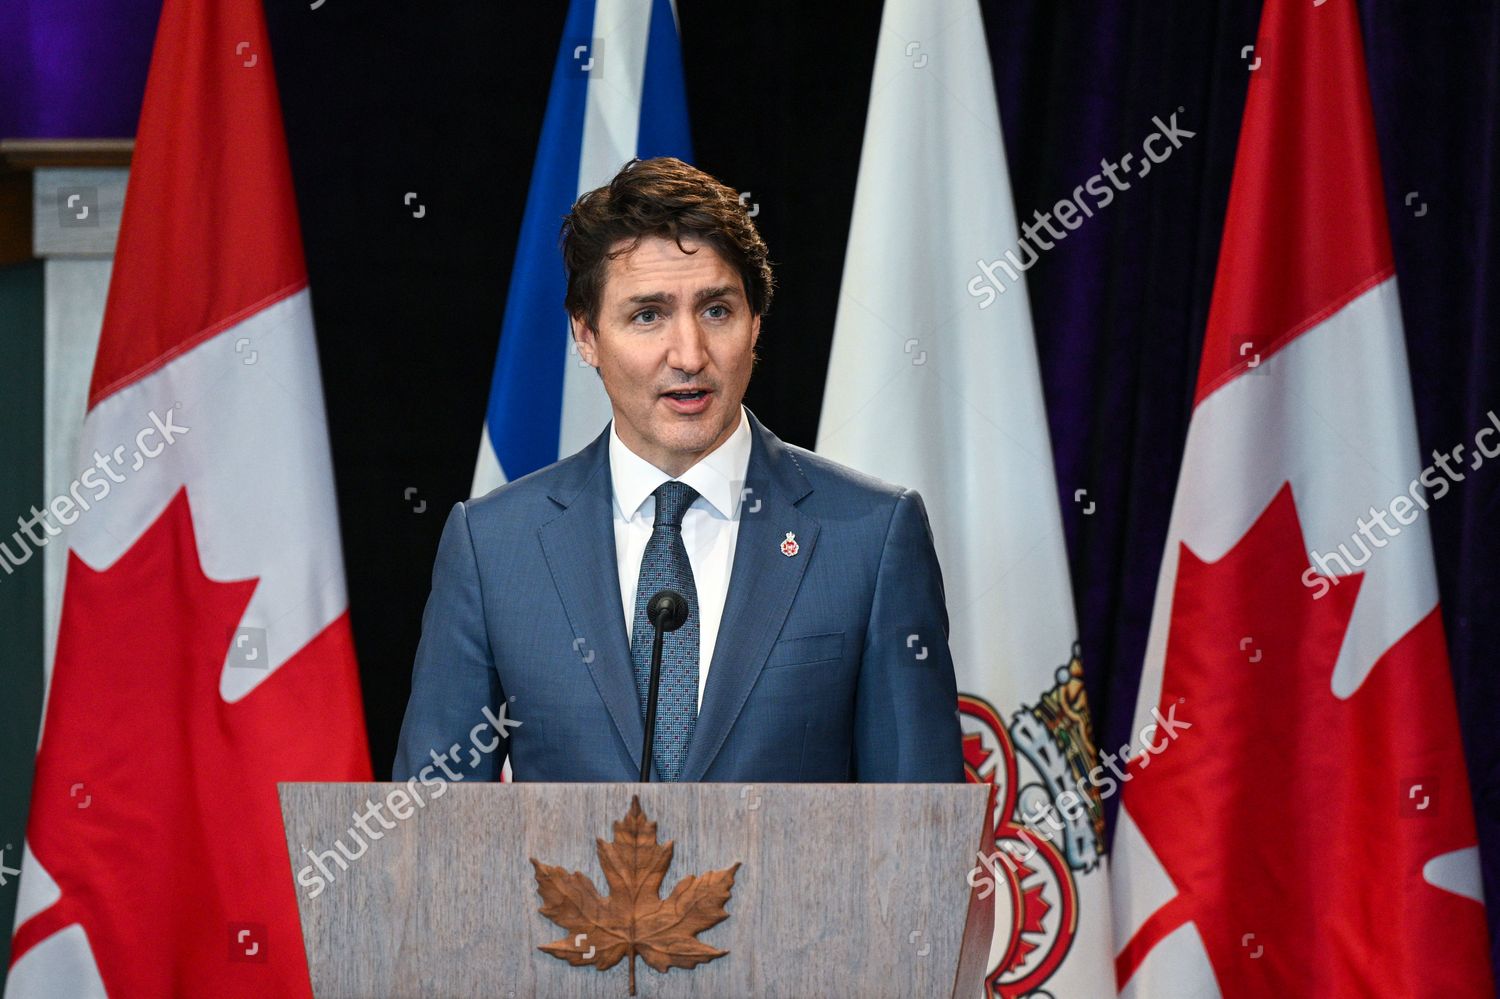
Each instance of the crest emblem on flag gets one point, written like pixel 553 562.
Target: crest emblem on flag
pixel 1047 749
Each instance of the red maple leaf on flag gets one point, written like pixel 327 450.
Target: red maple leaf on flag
pixel 155 806
pixel 1285 817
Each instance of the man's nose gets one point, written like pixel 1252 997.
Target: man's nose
pixel 688 349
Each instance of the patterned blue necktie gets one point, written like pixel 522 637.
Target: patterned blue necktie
pixel 665 566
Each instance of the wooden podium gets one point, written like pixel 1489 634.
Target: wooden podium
pixel 841 890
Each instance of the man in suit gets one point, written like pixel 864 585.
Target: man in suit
pixel 815 647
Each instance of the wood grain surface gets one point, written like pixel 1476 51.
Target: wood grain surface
pixel 844 889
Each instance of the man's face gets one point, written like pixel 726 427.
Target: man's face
pixel 672 322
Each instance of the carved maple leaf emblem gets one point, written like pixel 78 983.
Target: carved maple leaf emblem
pixel 633 919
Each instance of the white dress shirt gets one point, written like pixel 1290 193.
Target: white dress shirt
pixel 710 526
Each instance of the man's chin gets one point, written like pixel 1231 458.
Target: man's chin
pixel 686 444
pixel 687 436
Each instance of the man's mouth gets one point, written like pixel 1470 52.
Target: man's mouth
pixel 687 401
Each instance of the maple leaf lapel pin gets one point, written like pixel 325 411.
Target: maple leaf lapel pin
pixel 633 920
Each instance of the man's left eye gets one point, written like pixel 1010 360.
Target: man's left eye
pixel 717 311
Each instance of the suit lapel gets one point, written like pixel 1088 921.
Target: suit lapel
pixel 579 545
pixel 762 585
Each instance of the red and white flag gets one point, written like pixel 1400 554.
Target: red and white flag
pixel 1297 819
pixel 204 651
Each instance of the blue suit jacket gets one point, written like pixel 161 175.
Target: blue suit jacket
pixel 830 665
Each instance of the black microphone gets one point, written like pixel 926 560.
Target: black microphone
pixel 667 611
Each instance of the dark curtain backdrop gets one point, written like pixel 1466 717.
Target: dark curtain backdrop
pixel 445 100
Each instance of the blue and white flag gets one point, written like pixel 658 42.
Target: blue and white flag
pixel 617 92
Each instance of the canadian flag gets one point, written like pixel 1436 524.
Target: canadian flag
pixel 1305 827
pixel 204 650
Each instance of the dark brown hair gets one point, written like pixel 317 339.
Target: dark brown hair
pixel 659 197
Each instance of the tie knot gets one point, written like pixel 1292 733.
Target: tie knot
pixel 672 500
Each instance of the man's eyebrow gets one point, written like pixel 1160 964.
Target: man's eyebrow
pixel 651 297
pixel 722 291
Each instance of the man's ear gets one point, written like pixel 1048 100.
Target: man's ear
pixel 586 341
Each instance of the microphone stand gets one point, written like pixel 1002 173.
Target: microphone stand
pixel 651 705
pixel 667 611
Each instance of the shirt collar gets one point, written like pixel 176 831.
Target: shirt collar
pixel 718 476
